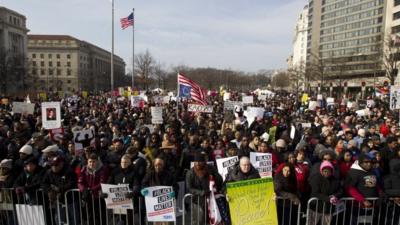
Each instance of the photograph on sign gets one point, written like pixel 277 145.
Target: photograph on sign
pixel 51 115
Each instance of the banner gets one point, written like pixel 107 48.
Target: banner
pixel 262 162
pixel 23 108
pixel 160 205
pixel 200 108
pixel 394 97
pixel 230 105
pixel 247 99
pixel 51 115
pixel 251 202
pixel 156 115
pixel 30 214
pixel 116 196
pixel 225 165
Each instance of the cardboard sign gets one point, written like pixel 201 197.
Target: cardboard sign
pixel 262 162
pixel 394 97
pixel 82 138
pixel 225 165
pixel 116 196
pixel 23 108
pixel 51 115
pixel 200 108
pixel 160 205
pixel 156 115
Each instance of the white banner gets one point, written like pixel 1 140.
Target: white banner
pixel 30 214
pixel 135 101
pixel 116 196
pixel 82 137
pixel 51 115
pixel 262 162
pixel 23 108
pixel 224 165
pixel 330 101
pixel 200 108
pixel 230 105
pixel 247 99
pixel 156 115
pixel 394 97
pixel 160 205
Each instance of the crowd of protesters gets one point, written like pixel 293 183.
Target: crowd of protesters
pixel 329 152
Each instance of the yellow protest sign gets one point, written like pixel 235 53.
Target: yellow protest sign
pixel 251 202
pixel 272 135
pixel 304 98
pixel 84 94
pixel 43 96
pixel 135 93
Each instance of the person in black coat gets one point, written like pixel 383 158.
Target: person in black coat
pixel 159 176
pixel 392 191
pixel 242 171
pixel 198 184
pixel 327 189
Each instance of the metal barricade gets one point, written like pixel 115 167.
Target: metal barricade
pixel 350 212
pixel 7 210
pixel 288 212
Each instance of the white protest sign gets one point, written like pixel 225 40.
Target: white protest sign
pixel 156 115
pixel 253 113
pixel 262 97
pixel 330 101
pixel 23 108
pixel 29 214
pixel 312 105
pixel 225 165
pixel 227 96
pixel 200 108
pixel 135 101
pixel 166 99
pixel 394 97
pixel 247 99
pixel 306 125
pixel 370 103
pixel 109 100
pixel 262 162
pixel 363 112
pixel 351 105
pixel 116 196
pixel 159 99
pixel 230 105
pixel 82 138
pixel 51 115
pixel 160 205
pixel 320 97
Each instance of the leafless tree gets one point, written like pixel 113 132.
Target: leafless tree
pixel 281 80
pixel 13 71
pixel 144 63
pixel 391 56
pixel 160 74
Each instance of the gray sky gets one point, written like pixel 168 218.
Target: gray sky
pixel 226 34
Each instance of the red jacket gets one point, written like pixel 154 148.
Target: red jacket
pixel 93 180
pixel 344 168
pixel 302 171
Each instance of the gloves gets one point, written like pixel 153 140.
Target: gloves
pixel 144 192
pixel 172 194
pixel 333 200
pixel 19 190
pixel 103 195
pixel 129 194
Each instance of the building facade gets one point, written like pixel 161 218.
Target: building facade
pixel 61 63
pixel 346 41
pixel 13 51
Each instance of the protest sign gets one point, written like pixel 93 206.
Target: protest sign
pixel 51 115
pixel 252 202
pixel 136 102
pixel 313 105
pixel 159 99
pixel 116 196
pixel 230 105
pixel 85 94
pixel 200 108
pixel 253 113
pixel 23 108
pixel 227 96
pixel 304 98
pixel 394 97
pixel 370 103
pixel 166 99
pixel 262 162
pixel 82 139
pixel 330 101
pixel 247 99
pixel 224 165
pixel 363 112
pixel 160 204
pixel 320 97
pixel 156 115
pixel 56 134
pixel 262 97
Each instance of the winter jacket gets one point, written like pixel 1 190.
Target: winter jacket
pixel 344 168
pixel 236 174
pixel 125 176
pixel 361 184
pixel 63 181
pixel 30 183
pixel 91 180
pixel 323 188
pixel 165 178
pixel 392 181
pixel 302 172
pixel 286 186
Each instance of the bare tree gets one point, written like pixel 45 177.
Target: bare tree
pixel 160 74
pixel 281 80
pixel 316 70
pixel 391 56
pixel 297 78
pixel 12 71
pixel 144 63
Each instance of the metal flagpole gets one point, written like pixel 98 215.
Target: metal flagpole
pixel 133 48
pixel 177 96
pixel 112 48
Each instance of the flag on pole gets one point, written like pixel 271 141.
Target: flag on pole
pixel 127 21
pixel 190 89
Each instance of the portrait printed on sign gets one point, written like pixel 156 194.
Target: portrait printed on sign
pixel 51 114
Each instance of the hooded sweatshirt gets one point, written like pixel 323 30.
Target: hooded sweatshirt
pixel 392 181
pixel 92 179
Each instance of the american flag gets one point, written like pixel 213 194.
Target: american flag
pixel 127 21
pixel 189 89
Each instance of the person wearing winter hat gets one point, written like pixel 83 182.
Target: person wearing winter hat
pixel 6 176
pixel 328 190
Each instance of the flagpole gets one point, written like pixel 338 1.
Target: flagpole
pixel 133 48
pixel 177 96
pixel 112 48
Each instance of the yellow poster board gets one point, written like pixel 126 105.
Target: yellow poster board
pixel 304 98
pixel 84 94
pixel 43 96
pixel 252 202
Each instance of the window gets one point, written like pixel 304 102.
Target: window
pixel 69 64
pixel 50 71
pixel 33 63
pixel 58 56
pixel 68 56
pixel 50 63
pixel 42 72
pixel 34 56
pixel 42 56
pixel 58 64
pixel 396 2
pixel 68 81
pixel 49 56
pixel 68 72
pixel 396 16
pixel 58 72
pixel 42 63
pixel 34 72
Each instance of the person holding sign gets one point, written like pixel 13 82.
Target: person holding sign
pixel 198 184
pixel 242 171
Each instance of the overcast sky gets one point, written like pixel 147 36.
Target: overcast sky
pixel 226 34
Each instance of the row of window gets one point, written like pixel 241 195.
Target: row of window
pixel 50 56
pixel 349 51
pixel 351 34
pixel 343 44
pixel 342 4
pixel 369 66
pixel 15 21
pixel 355 17
pixel 50 63
pixel 396 16
pixel 50 72
pixel 350 10
pixel 351 26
